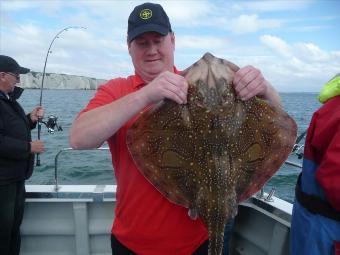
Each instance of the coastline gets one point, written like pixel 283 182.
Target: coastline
pixel 32 80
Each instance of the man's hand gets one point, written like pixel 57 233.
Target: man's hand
pixel 166 85
pixel 249 82
pixel 38 112
pixel 37 146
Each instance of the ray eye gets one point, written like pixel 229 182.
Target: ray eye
pixel 198 95
pixel 226 94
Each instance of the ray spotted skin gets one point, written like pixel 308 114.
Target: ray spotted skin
pixel 214 151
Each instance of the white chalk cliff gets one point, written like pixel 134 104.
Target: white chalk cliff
pixel 58 81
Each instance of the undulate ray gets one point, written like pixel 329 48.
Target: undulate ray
pixel 214 151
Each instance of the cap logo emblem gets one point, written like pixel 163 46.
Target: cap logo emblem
pixel 145 14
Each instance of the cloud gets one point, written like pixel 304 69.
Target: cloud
pixel 7 6
pixel 309 52
pixel 251 23
pixel 299 64
pixel 188 12
pixel 277 45
pixel 306 52
pixel 189 43
pixel 267 34
pixel 270 6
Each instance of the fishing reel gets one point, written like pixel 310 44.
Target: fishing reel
pixel 298 150
pixel 52 124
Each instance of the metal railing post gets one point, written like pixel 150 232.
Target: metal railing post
pixel 56 186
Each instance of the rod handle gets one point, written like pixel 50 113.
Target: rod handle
pixel 39 130
pixel 38 160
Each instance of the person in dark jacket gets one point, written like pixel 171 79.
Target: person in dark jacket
pixel 16 154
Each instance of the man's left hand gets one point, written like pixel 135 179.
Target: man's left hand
pixel 249 82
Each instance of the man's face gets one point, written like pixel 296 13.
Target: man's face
pixel 8 81
pixel 152 54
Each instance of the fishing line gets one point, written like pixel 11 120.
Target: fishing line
pixel 51 122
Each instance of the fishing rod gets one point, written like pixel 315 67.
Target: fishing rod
pixel 297 148
pixel 301 136
pixel 51 123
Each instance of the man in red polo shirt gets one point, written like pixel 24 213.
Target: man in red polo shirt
pixel 145 221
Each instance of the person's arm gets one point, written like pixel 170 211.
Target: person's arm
pixel 328 173
pixel 249 82
pixel 91 129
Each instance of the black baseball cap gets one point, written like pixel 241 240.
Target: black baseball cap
pixel 148 17
pixel 8 64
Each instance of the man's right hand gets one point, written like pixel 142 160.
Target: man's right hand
pixel 37 146
pixel 92 128
pixel 166 85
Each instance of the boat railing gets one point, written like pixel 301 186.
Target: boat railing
pixel 259 195
pixel 291 163
pixel 56 187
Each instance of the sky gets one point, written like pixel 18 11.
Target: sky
pixel 296 44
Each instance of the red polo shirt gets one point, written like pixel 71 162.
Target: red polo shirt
pixel 145 221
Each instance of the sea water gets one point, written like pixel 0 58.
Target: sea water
pixel 95 167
